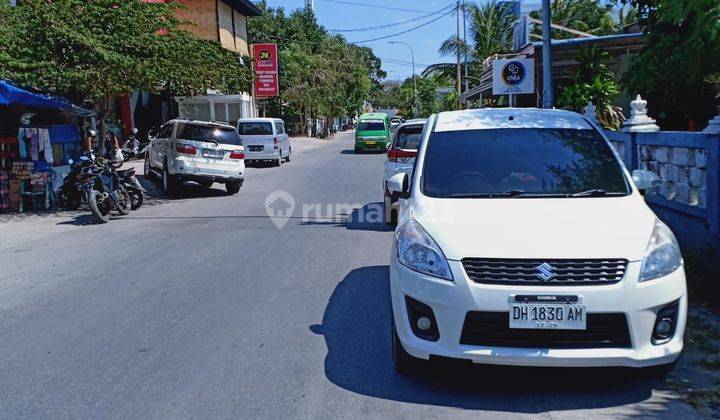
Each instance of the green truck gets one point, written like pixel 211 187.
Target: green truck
pixel 373 132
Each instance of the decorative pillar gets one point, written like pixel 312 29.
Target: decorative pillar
pixel 639 122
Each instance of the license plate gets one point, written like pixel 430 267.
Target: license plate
pixel 370 143
pixel 211 153
pixel 255 148
pixel 547 312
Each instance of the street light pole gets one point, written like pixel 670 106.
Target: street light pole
pixel 416 109
pixel 547 92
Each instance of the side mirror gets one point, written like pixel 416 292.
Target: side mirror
pixel 646 181
pixel 399 184
pixel 152 134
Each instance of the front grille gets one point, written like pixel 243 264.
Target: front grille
pixel 492 329
pixel 529 272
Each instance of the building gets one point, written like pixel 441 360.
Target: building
pixel 223 21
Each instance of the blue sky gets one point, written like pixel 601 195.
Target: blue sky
pixel 425 41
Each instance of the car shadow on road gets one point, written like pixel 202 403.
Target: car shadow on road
pixel 356 328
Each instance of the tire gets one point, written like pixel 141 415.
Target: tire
pixel 205 184
pixel 170 182
pixel 99 206
pixel 357 150
pixel 233 187
pixel 136 198
pixel 403 362
pixel 146 167
pixel 125 203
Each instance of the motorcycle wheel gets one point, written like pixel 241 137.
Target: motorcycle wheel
pixel 99 206
pixel 136 198
pixel 125 202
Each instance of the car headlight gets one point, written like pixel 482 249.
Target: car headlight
pixel 417 250
pixel 662 256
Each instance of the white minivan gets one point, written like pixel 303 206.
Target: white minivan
pixel 265 140
pixel 523 240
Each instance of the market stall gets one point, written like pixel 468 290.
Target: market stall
pixel 38 135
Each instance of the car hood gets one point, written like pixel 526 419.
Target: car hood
pixel 552 228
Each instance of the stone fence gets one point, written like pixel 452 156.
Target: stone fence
pixel 688 164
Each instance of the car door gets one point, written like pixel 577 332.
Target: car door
pixel 160 143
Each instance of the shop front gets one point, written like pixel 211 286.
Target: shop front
pixel 38 135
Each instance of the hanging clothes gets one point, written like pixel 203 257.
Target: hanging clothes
pixel 45 146
pixel 22 145
pixel 34 143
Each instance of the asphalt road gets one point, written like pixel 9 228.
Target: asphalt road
pixel 200 307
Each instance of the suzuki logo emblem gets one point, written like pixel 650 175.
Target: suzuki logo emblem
pixel 544 272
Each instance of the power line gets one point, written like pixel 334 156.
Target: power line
pixel 374 6
pixel 392 24
pixel 405 31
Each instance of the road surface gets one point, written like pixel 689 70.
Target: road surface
pixel 200 307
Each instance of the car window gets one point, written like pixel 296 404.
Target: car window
pixel 279 128
pixel 408 137
pixel 165 131
pixel 371 125
pixel 198 132
pixel 256 128
pixel 530 160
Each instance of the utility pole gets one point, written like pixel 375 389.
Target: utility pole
pixel 547 93
pixel 465 52
pixel 457 64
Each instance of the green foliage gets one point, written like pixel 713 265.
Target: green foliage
pixel 679 66
pixel 102 49
pixel 591 16
pixel 320 75
pixel 427 102
pixel 593 82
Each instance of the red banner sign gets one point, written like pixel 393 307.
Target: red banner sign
pixel 266 70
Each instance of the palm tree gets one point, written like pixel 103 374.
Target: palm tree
pixel 590 16
pixel 490 31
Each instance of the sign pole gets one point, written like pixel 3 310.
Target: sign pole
pixel 546 56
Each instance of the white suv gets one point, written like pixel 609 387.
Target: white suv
pixel 199 151
pixel 523 240
pixel 401 158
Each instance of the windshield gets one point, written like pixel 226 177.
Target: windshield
pixel 371 125
pixel 409 137
pixel 520 162
pixel 255 128
pixel 222 135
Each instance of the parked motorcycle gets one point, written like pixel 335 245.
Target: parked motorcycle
pixel 104 192
pixel 131 148
pixel 133 186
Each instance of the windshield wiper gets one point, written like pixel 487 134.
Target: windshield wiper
pixel 504 194
pixel 597 192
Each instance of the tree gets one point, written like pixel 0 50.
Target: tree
pixel 320 75
pixel 593 82
pixel 678 68
pixel 102 49
pixel 427 97
pixel 590 16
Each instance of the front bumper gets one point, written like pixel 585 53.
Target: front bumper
pixel 451 301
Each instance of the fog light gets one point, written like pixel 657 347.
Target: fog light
pixel 663 327
pixel 665 323
pixel 422 320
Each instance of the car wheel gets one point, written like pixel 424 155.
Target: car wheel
pixel 233 187
pixel 170 182
pixel 404 363
pixel 357 150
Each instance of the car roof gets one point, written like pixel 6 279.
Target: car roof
pixel 199 122
pixel 490 118
pixel 373 115
pixel 260 119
